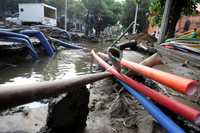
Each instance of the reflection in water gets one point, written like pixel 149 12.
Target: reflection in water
pixel 65 64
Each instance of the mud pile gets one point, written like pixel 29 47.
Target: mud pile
pixel 142 38
pixel 68 112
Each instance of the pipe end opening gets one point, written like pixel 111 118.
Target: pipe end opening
pixel 197 121
pixel 192 89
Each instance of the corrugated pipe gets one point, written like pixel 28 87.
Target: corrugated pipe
pixel 43 40
pixel 65 44
pixel 19 37
pixel 164 120
pixel 24 41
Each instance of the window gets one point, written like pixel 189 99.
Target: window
pixel 49 13
pixel 21 9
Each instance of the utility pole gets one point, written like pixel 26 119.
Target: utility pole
pixel 66 3
pixel 165 21
pixel 135 20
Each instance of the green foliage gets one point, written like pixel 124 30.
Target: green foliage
pixel 105 13
pixel 76 9
pixel 190 6
pixel 128 14
pixel 155 12
pixel 157 7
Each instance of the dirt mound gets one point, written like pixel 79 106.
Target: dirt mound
pixel 142 37
pixel 54 32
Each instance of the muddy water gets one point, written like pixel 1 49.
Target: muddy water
pixel 65 64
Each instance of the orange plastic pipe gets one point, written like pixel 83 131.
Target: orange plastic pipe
pixel 180 84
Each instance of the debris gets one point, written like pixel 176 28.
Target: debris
pixel 99 105
pixel 142 38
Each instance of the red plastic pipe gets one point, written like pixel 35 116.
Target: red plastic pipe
pixel 180 84
pixel 173 105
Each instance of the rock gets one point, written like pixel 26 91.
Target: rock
pixel 69 113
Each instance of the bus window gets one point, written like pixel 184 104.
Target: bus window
pixel 49 13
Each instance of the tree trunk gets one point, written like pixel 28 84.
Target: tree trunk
pixel 3 11
pixel 165 21
pixel 87 24
pixel 175 14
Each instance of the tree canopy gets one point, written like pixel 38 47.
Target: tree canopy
pixel 101 13
pixel 128 14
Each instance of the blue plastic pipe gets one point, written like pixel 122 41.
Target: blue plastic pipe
pixel 43 40
pixel 67 34
pixel 12 34
pixel 65 44
pixel 29 45
pixel 164 120
pixel 21 38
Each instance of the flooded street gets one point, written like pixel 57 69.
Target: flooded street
pixel 66 63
